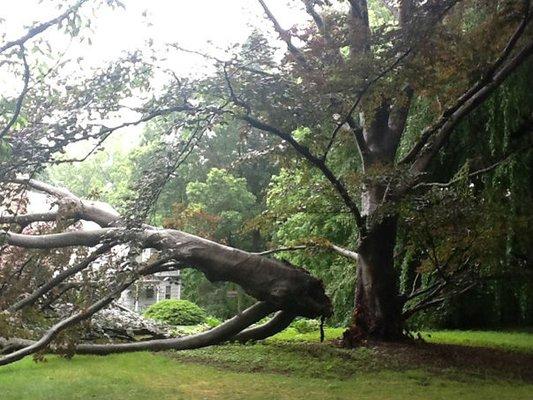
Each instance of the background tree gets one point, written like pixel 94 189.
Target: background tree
pixel 217 209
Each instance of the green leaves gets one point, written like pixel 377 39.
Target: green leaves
pixel 221 192
pixel 176 312
pixel 222 202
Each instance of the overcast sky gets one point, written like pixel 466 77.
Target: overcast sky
pixel 194 24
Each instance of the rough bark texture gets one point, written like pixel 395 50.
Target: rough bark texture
pixel 377 304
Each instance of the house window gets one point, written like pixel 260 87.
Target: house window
pixel 150 293
pixel 168 291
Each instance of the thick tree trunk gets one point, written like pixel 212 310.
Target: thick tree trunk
pixel 377 307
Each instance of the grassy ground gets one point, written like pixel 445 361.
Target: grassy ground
pixel 513 341
pixel 289 366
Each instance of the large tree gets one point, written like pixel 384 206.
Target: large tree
pixel 359 71
pixel 350 80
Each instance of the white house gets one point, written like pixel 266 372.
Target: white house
pixel 162 285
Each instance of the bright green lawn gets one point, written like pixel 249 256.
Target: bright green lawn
pixel 275 369
pixel 515 341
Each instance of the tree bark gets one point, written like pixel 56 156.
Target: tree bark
pixel 377 306
pixel 377 313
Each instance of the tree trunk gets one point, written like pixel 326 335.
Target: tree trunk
pixel 377 307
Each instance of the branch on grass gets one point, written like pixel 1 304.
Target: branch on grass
pixel 221 333
pixel 64 324
pixel 31 347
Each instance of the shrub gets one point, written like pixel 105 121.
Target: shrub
pixel 306 325
pixel 176 312
pixel 212 322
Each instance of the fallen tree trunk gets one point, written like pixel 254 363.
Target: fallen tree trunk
pixel 222 333
pixel 281 320
pixel 283 285
pixel 276 284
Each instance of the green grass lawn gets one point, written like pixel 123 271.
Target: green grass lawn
pixel 288 366
pixel 514 341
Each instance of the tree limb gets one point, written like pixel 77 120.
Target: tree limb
pixel 279 322
pixel 471 98
pixel 318 163
pixel 282 249
pixel 264 278
pixel 319 21
pixel 41 27
pixel 328 246
pixel 214 336
pixel 285 36
pixel 57 240
pixel 22 95
pixel 26 219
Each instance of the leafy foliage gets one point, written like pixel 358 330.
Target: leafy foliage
pixel 176 312
pixel 480 220
pixel 304 325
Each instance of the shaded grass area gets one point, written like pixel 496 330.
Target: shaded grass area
pixel 288 366
pixel 294 354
